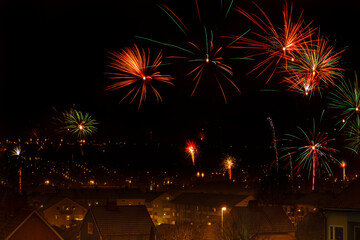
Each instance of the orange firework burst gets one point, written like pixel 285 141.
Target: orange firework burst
pixel 315 66
pixel 229 163
pixel 191 149
pixel 134 69
pixel 275 44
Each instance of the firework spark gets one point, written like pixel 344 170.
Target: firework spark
pixel 16 151
pixel 191 149
pixel 346 99
pixel 352 135
pixel 229 163
pixel 275 45
pixel 311 151
pixel 315 66
pixel 133 69
pixel 205 57
pixel 78 123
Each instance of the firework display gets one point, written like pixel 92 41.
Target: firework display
pixel 315 67
pixel 229 164
pixel 16 151
pixel 134 71
pixel 78 123
pixel 203 57
pixel 286 51
pixel 311 150
pixel 191 150
pixel 277 46
pixel 346 99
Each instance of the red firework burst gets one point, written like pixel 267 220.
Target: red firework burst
pixel 275 44
pixel 315 66
pixel 134 70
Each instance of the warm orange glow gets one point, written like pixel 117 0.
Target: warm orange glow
pixel 223 209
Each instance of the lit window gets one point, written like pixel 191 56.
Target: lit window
pixel 56 217
pixel 336 233
pixel 90 228
pixel 67 217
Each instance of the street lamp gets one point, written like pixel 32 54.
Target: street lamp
pixel 222 219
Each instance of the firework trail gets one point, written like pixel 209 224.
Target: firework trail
pixel 78 123
pixel 16 151
pixel 206 57
pixel 133 70
pixel 346 99
pixel 191 149
pixel 315 66
pixel 229 163
pixel 311 151
pixel 275 146
pixel 352 135
pixel 273 44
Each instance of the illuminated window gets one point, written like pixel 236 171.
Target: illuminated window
pixel 336 233
pixel 90 228
pixel 67 217
pixel 56 217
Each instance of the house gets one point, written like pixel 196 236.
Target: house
pixel 28 225
pixel 117 222
pixel 258 222
pixel 159 208
pixel 297 208
pixel 311 227
pixel 64 213
pixel 205 207
pixel 343 214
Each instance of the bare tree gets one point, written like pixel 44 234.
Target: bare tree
pixel 181 232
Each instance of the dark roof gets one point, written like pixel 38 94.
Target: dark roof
pixel 208 199
pixel 348 199
pixel 315 199
pixel 11 224
pixel 8 223
pixel 311 227
pixel 68 233
pixel 56 200
pixel 264 219
pixel 122 220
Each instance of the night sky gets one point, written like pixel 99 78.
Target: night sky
pixel 55 54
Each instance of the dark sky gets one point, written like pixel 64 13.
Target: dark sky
pixel 54 54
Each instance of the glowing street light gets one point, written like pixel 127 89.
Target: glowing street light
pixel 222 219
